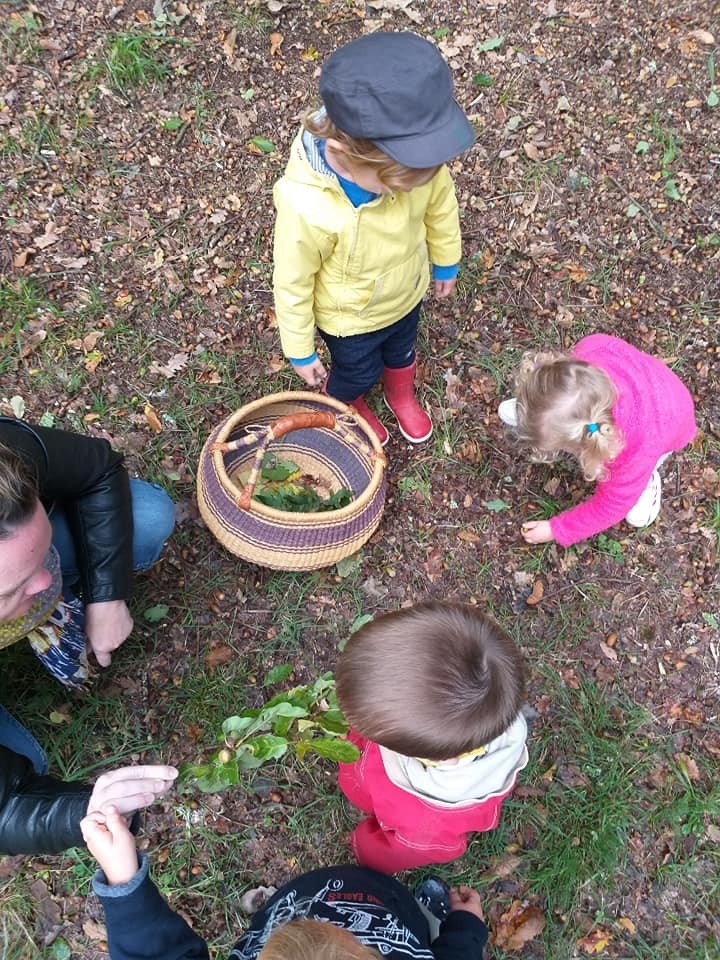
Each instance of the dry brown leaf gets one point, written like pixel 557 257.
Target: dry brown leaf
pixel 467 535
pixel 92 360
pixel 517 926
pixel 596 941
pixel 153 419
pixel 536 596
pixel 608 651
pixel 229 44
pixel 90 340
pixel 218 655
pixel 703 36
pixel 532 151
pixel 687 766
pixel 175 364
pixel 94 930
pixel 52 235
pixel 627 924
pixel 20 259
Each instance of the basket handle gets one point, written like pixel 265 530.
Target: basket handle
pixel 300 421
pixel 278 428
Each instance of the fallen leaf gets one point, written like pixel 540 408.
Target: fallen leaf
pixel 229 44
pixel 537 594
pixel 52 235
pixel 92 360
pixel 94 930
pixel 703 36
pixel 396 5
pixel 218 655
pixel 153 419
pixel 627 924
pixel 608 651
pixel 532 151
pixel 517 926
pixel 175 364
pixel 17 405
pixel 596 941
pixel 434 564
pixel 276 41
pixel 687 766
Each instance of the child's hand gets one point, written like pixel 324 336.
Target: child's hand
pixel 537 531
pixel 465 898
pixel 312 373
pixel 109 840
pixel 444 288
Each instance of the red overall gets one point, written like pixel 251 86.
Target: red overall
pixel 406 831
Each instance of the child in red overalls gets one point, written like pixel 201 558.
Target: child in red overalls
pixel 433 695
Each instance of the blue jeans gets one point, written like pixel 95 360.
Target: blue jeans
pixel 153 522
pixel 358 361
pixel 15 737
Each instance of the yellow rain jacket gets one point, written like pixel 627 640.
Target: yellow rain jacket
pixel 348 269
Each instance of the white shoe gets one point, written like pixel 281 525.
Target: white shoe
pixel 648 506
pixel 507 411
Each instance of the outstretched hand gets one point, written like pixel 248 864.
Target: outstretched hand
pixel 130 788
pixel 109 840
pixel 465 898
pixel 537 531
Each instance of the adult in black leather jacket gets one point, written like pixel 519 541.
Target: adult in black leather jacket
pixel 41 815
pixel 101 525
pixel 83 484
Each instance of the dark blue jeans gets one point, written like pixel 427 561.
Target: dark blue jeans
pixel 358 361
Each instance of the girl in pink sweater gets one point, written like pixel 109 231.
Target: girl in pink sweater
pixel 619 411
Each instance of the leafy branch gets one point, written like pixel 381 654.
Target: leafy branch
pixel 305 719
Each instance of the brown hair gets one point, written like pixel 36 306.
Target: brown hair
pixel 559 399
pixel 435 680
pixel 18 491
pixel 364 155
pixel 314 940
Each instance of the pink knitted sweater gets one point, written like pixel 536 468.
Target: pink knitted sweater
pixel 654 411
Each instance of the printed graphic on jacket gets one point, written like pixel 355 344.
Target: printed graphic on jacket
pixel 360 913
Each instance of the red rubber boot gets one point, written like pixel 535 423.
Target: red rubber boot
pixel 399 384
pixel 366 413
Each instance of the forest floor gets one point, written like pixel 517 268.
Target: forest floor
pixel 139 142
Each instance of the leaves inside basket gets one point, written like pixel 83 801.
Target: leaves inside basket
pixel 282 485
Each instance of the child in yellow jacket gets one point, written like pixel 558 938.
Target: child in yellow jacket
pixel 364 206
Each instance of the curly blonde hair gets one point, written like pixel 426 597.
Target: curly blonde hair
pixel 564 404
pixel 364 155
pixel 314 940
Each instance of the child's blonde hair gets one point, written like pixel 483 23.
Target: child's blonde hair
pixel 564 404
pixel 314 940
pixel 364 155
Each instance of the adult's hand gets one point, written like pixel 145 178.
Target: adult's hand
pixel 107 625
pixel 312 373
pixel 130 788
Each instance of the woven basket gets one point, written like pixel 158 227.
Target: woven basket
pixel 327 440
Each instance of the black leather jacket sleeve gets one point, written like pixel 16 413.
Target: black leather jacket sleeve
pixel 38 814
pixel 88 480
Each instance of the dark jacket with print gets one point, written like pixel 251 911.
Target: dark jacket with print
pixel 378 909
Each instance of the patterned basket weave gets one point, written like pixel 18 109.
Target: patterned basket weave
pixel 341 450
